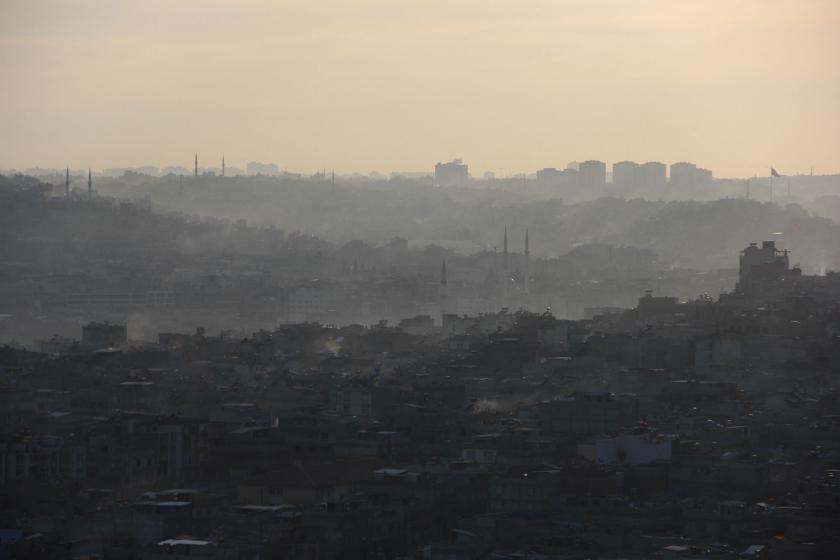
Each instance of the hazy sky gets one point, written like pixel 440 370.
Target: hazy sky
pixel 361 85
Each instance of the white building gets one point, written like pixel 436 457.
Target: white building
pixel 625 175
pixel 592 175
pixel 652 174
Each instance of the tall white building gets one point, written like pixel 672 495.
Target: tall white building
pixel 625 175
pixel 688 176
pixel 652 174
pixel 592 175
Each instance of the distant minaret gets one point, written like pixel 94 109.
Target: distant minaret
pixel 443 290
pixel 196 164
pixel 505 250
pixel 67 181
pixel 527 263
pixel 506 272
pixel 223 165
pixel 90 185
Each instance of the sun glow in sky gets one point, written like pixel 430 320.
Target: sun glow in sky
pixel 735 86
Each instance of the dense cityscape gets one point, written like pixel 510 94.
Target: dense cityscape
pixel 419 280
pixel 178 385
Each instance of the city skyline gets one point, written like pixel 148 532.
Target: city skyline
pixel 735 87
pixel 253 167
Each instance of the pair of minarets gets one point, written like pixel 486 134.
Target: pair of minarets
pixel 67 183
pixel 196 165
pixel 527 285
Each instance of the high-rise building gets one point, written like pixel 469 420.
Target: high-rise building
pixel 549 176
pixel 625 175
pixel 554 179
pixel 593 174
pixel 452 174
pixel 703 177
pixel 652 175
pixel 682 174
pixel 765 262
pixel 688 176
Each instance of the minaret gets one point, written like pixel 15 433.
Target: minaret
pixel 443 290
pixel 196 164
pixel 527 263
pixel 67 181
pixel 505 249
pixel 223 165
pixel 505 271
pixel 90 185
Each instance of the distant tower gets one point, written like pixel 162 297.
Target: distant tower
pixel 67 181
pixel 196 164
pixel 443 290
pixel 90 185
pixel 527 263
pixel 223 165
pixel 506 272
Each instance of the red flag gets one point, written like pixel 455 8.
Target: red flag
pixel 774 173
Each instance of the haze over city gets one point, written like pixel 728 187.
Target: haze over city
pixel 419 280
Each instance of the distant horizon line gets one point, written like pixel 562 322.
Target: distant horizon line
pixel 159 171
